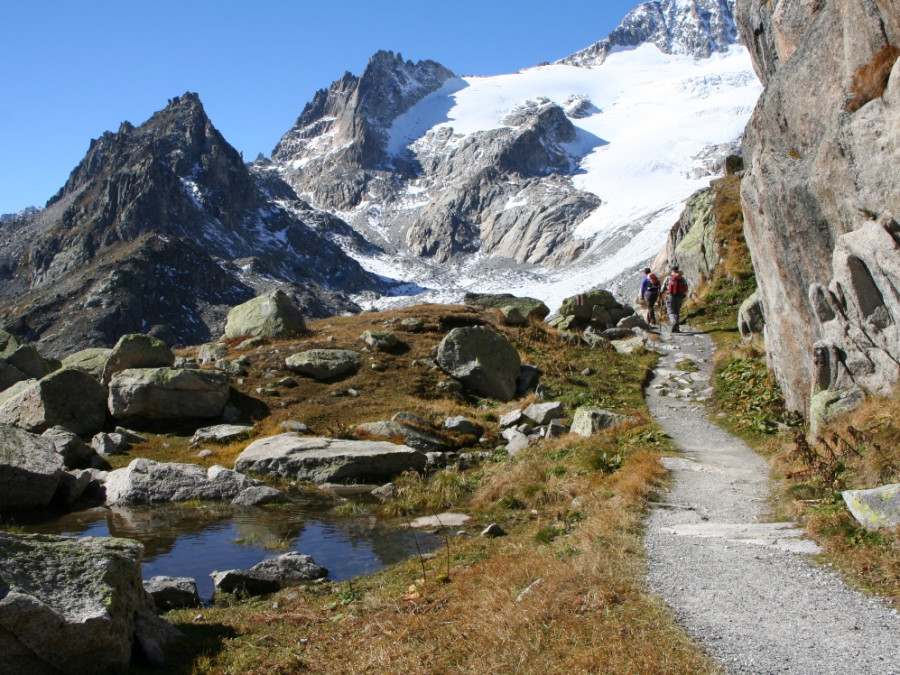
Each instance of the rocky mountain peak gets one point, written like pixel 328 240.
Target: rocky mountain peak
pixel 697 28
pixel 353 114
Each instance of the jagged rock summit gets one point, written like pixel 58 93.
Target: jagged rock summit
pixel 161 229
pixel 698 28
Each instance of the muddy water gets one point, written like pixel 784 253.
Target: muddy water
pixel 194 540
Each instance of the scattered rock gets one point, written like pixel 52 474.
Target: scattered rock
pixel 212 352
pixel 291 566
pixel 245 582
pixel 588 421
pixel 252 343
pixel 527 307
pixel 441 520
pixel 463 425
pixel 222 433
pixel 293 425
pixel 543 413
pixel 511 419
pixel 411 436
pixel 27 359
pixel 876 508
pixel 412 324
pixel 512 316
pixel 324 460
pixel 556 429
pixel 385 492
pixel 259 495
pixel 172 592
pixel 324 364
pixel 72 486
pixel 830 404
pixel 382 340
pixel 108 444
pixel 9 375
pixel 750 320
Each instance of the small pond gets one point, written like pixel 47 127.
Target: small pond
pixel 191 540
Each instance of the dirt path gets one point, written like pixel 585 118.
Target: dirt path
pixel 745 588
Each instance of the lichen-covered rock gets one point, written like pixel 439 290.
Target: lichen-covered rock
pixel 324 364
pixel 528 307
pixel 599 308
pixel 167 393
pixel 212 352
pixel 137 351
pixel 543 413
pixel 9 375
pixel 876 508
pixel 292 566
pixel 92 361
pixel 222 433
pixel 830 404
pixel 328 460
pixel 691 243
pixel 267 315
pixel 68 605
pixel 382 340
pixel 9 343
pixel 588 421
pixel 751 320
pixel 68 398
pixel 483 360
pixel 27 359
pixel 146 481
pixel 30 469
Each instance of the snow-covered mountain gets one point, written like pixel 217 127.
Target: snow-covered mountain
pixel 544 182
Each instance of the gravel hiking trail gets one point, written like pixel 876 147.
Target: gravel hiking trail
pixel 745 588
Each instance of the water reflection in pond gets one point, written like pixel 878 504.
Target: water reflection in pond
pixel 193 540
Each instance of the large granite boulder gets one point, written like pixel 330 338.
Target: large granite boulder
pixel 691 243
pixel 167 393
pixel 71 606
pixel 68 398
pixel 267 315
pixel 28 360
pixel 146 481
pixel 821 191
pixel 588 420
pixel 92 360
pixel 530 308
pixel 324 364
pixel 598 308
pixel 30 470
pixel 328 460
pixel 876 508
pixel 137 351
pixel 483 360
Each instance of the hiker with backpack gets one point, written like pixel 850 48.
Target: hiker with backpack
pixel 676 288
pixel 650 294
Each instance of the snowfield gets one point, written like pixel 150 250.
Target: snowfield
pixel 643 147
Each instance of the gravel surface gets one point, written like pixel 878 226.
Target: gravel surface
pixel 746 589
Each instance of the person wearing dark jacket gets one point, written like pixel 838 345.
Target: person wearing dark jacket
pixel 650 294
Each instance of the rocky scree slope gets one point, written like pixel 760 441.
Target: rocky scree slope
pixel 161 229
pixel 821 195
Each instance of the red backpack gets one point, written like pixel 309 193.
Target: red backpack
pixel 654 280
pixel 677 285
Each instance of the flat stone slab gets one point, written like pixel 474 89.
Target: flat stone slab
pixel 222 433
pixel 328 460
pixel 783 536
pixel 442 520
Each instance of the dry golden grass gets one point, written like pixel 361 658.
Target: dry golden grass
pixel 859 451
pixel 572 509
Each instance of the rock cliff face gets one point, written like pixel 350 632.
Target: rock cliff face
pixel 161 229
pixel 821 194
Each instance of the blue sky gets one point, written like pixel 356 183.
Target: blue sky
pixel 72 70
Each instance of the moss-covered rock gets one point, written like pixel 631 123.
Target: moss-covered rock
pixel 267 315
pixel 529 307
pixel 137 351
pixel 69 398
pixel 598 307
pixel 92 360
pixel 167 393
pixel 324 364
pixel 30 470
pixel 483 360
